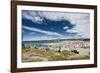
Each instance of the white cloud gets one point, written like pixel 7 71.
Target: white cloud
pixel 66 27
pixel 32 15
pixel 80 20
pixel 72 31
pixel 32 33
pixel 42 31
pixel 46 37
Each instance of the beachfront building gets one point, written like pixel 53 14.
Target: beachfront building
pixel 82 46
pixel 70 45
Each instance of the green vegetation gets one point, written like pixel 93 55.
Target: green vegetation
pixel 49 55
pixel 56 57
pixel 36 60
pixel 80 58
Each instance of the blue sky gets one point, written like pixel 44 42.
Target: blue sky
pixel 46 25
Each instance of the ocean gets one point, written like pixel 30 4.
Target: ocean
pixel 51 42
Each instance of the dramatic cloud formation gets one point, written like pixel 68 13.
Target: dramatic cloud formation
pixel 59 24
pixel 42 31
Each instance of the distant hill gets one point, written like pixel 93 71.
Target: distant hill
pixel 86 39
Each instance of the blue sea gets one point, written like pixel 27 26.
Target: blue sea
pixel 46 42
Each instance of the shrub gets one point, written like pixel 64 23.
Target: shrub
pixel 75 51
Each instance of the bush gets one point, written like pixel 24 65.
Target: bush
pixel 75 51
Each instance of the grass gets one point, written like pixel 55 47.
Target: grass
pixel 52 55
pixel 36 59
pixel 56 57
pixel 80 58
